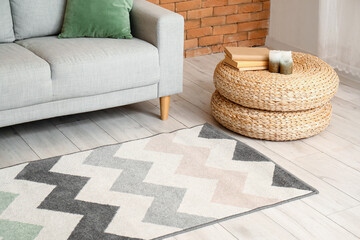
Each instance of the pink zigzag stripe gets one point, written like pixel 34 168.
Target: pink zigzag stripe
pixel 229 190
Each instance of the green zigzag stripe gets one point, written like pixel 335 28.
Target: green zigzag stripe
pixel 10 230
pixel 6 199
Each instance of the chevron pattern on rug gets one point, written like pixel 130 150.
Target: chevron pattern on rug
pixel 143 189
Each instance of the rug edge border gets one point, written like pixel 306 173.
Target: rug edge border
pixel 237 215
pixel 107 145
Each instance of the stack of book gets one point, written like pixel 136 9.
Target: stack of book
pixel 247 58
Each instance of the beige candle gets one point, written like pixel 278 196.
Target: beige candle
pixel 286 63
pixel 274 61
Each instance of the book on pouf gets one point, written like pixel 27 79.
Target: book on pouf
pixel 247 53
pixel 247 58
pixel 246 64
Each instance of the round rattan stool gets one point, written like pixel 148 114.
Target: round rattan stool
pixel 312 84
pixel 270 125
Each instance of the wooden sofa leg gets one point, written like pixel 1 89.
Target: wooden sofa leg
pixel 164 107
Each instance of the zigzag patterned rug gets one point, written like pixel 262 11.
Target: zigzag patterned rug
pixel 143 189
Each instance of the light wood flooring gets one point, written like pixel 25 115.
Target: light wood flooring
pixel 330 161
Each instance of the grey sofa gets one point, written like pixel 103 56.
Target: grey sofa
pixel 42 76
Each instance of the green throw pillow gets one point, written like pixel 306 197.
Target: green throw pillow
pixel 97 18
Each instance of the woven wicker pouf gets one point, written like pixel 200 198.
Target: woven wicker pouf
pixel 270 125
pixel 272 106
pixel 312 84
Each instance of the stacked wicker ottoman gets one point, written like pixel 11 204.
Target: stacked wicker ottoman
pixel 271 106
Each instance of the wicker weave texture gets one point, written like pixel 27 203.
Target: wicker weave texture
pixel 312 84
pixel 270 125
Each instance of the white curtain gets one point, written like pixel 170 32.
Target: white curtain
pixel 339 40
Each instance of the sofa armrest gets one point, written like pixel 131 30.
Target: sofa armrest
pixel 165 30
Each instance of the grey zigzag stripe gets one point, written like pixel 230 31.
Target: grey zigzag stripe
pixel 242 151
pixel 163 210
pixel 62 198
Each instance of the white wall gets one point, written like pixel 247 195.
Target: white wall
pixel 294 25
pixel 318 27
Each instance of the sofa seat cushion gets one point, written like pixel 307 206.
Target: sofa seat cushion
pixel 25 79
pixel 90 66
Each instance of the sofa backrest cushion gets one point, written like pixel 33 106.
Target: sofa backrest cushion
pixel 37 18
pixel 6 24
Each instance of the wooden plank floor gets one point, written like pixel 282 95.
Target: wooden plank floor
pixel 329 161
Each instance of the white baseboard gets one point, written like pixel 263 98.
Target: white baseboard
pixel 348 79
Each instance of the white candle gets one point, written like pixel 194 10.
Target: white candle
pixel 274 61
pixel 286 63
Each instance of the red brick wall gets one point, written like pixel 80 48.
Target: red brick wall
pixel 211 25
